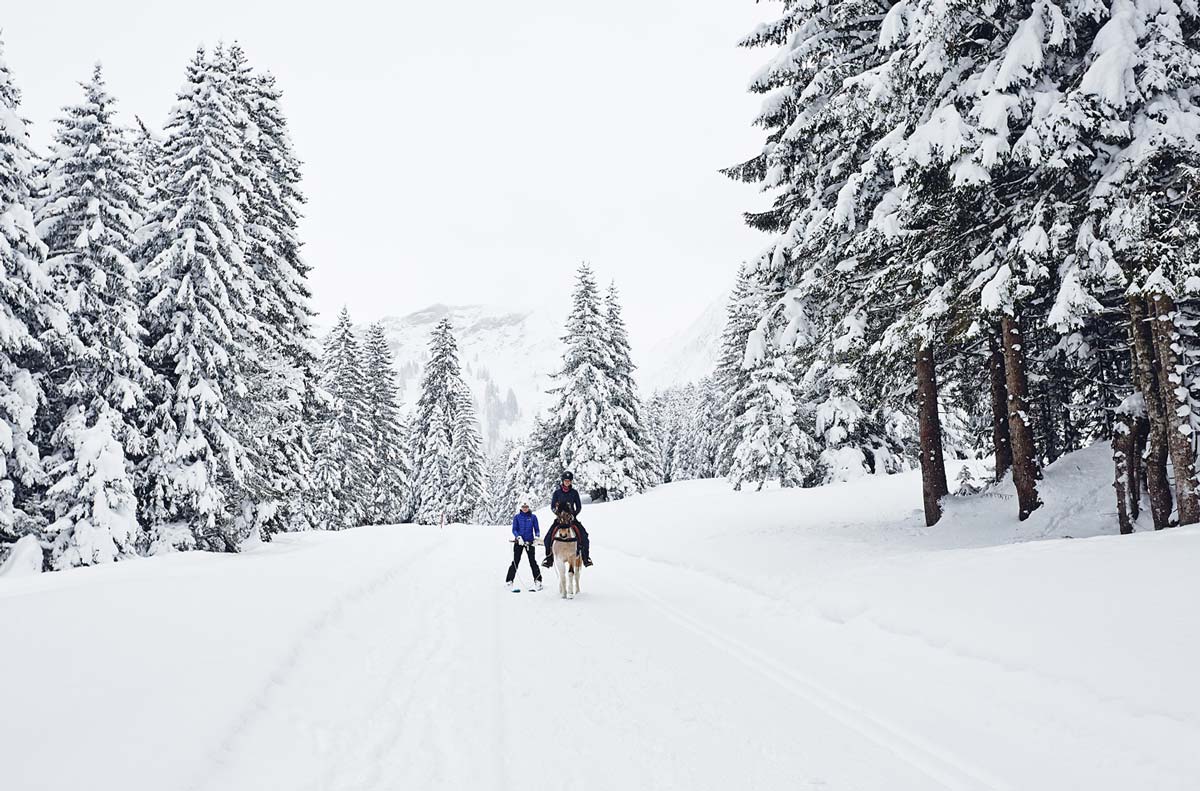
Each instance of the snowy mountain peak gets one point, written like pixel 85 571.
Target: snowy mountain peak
pixel 507 356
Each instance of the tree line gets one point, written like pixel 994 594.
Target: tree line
pixel 983 233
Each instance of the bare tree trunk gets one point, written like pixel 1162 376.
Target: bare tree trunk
pixel 1146 378
pixel 1001 443
pixel 1024 455
pixel 1162 312
pixel 1123 462
pixel 933 465
pixel 1137 473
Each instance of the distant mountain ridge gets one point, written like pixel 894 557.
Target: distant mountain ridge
pixel 687 356
pixel 510 355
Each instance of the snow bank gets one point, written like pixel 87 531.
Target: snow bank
pixel 24 559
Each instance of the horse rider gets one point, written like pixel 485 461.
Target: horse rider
pixel 566 497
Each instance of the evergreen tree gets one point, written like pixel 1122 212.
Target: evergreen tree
pixel 665 431
pixel 385 430
pixel 731 376
pixel 23 314
pixel 284 366
pixel 145 148
pixel 432 490
pixel 466 455
pixel 344 473
pixel 447 461
pixel 499 502
pixel 199 301
pixel 97 384
pixel 594 429
pixel 631 468
pixel 701 420
pixel 526 475
pixel 773 445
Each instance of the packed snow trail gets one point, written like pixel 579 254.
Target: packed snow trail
pixel 723 640
pixel 487 689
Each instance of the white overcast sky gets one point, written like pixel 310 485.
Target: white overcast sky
pixel 470 151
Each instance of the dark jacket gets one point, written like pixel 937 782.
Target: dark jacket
pixel 568 499
pixel 525 526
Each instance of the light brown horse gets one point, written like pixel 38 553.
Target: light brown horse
pixel 567 561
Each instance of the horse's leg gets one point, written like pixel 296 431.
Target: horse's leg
pixel 562 577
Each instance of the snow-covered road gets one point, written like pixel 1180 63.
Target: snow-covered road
pixel 746 646
pixel 429 675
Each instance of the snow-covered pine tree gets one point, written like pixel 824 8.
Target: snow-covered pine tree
pixel 526 474
pixel 499 502
pixel 730 376
pixel 386 431
pixel 198 292
pixel 663 417
pixel 23 302
pixel 433 484
pixel 447 460
pixel 282 401
pixel 1122 130
pixel 574 429
pixel 631 470
pixel 591 429
pixel 144 147
pixel 344 475
pixel 466 455
pixel 96 388
pixel 699 443
pixel 773 446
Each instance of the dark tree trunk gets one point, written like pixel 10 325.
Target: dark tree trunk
pixel 1137 474
pixel 1162 314
pixel 1146 377
pixel 933 465
pixel 1024 456
pixel 1125 480
pixel 1001 444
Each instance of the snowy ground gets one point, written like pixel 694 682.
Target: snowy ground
pixel 784 640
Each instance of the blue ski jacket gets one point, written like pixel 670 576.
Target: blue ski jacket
pixel 526 526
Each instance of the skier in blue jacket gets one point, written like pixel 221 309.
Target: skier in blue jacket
pixel 525 533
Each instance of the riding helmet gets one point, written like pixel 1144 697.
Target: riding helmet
pixel 567 476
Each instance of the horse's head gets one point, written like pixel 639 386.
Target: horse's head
pixel 565 517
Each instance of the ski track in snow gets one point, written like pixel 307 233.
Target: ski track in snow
pixel 391 658
pixel 312 640
pixel 938 764
pixel 400 679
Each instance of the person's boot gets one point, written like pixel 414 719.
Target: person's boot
pixel 587 561
pixel 549 561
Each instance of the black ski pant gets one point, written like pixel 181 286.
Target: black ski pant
pixel 516 561
pixel 585 546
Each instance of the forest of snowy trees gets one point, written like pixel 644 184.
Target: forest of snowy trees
pixel 988 206
pixel 158 355
pixel 983 241
pixel 161 385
